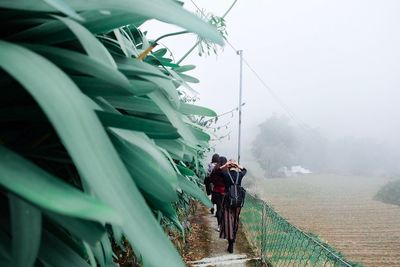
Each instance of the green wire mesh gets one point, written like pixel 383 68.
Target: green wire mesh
pixel 280 243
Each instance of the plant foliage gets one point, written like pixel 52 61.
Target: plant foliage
pixel 94 144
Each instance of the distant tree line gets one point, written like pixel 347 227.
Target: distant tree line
pixel 390 193
pixel 279 144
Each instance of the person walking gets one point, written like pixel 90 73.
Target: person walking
pixel 218 191
pixel 207 180
pixel 233 174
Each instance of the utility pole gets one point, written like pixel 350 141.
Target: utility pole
pixel 240 53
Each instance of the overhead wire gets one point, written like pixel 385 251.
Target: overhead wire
pixel 285 107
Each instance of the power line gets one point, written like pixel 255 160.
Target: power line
pixel 288 111
pixel 290 114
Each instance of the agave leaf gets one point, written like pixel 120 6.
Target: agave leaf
pixel 108 253
pixel 152 128
pixel 88 231
pixel 46 191
pixel 175 148
pixel 61 6
pixel 146 71
pixel 167 210
pixel 95 87
pixel 79 62
pixel 121 42
pixel 5 250
pixel 200 134
pixel 93 47
pixel 89 147
pixel 193 190
pixel 190 109
pixel 135 104
pixel 184 68
pixel 26 226
pixel 167 87
pixel 139 154
pixel 160 52
pixel 56 253
pixel 142 87
pixel 98 254
pixel 132 67
pixel 166 11
pixel 181 82
pixel 188 78
pixel 54 31
pixel 118 235
pixel 174 117
pixel 185 171
pixel 89 251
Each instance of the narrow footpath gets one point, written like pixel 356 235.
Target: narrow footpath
pixel 205 248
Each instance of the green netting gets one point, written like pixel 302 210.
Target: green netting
pixel 282 244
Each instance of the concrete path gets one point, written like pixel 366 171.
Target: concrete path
pixel 219 256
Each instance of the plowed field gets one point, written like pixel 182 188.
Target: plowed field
pixel 341 210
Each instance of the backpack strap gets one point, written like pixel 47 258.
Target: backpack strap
pixel 237 177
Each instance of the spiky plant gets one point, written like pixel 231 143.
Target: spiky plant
pixel 90 137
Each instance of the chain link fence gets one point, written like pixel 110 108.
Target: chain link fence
pixel 280 243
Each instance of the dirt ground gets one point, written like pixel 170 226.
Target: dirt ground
pixel 198 240
pixel 342 211
pixel 204 242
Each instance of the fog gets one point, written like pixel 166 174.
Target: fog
pixel 335 65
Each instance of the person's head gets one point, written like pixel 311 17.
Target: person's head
pixel 233 165
pixel 215 158
pixel 222 161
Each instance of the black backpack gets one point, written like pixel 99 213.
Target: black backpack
pixel 236 193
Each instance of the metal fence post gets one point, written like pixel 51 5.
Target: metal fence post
pixel 263 232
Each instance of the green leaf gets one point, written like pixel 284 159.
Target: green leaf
pixel 135 104
pixel 56 253
pixel 95 87
pixel 184 68
pixel 91 150
pixel 142 87
pixel 98 254
pixel 180 82
pixel 149 168
pixel 158 9
pixel 118 235
pixel 61 6
pixel 26 226
pixel 93 47
pixel 188 78
pixel 79 62
pixel 167 210
pixel 185 171
pixel 54 31
pixel 175 148
pixel 46 191
pixel 152 128
pixel 108 253
pixel 132 67
pixel 174 117
pixel 190 109
pixel 193 190
pixel 5 250
pixel 200 134
pixel 89 251
pixel 160 52
pixel 91 232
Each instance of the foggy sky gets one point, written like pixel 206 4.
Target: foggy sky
pixel 335 64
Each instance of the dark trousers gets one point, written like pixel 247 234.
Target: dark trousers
pixel 230 222
pixel 217 199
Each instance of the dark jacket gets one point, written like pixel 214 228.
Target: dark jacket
pixel 234 175
pixel 218 180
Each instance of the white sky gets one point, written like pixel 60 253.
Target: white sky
pixel 336 64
